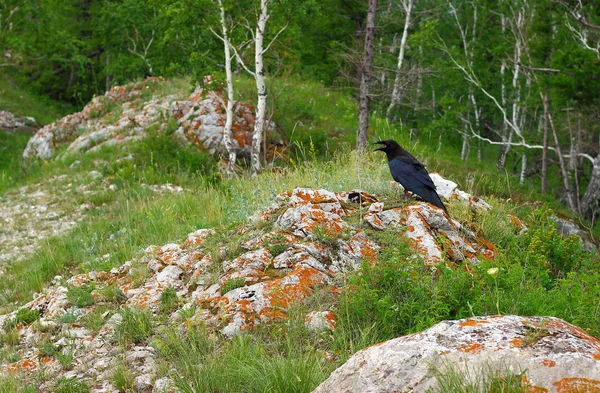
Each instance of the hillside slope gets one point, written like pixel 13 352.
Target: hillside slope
pixel 163 269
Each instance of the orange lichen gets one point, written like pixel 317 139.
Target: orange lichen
pixel 472 322
pixel 516 343
pixel 530 388
pixel 548 363
pixel 470 348
pixel 577 385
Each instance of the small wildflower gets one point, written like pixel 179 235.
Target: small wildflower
pixel 493 271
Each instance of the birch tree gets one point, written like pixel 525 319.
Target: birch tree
pixel 258 36
pixel 230 92
pixel 407 5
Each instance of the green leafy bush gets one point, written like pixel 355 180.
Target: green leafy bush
pixel 27 316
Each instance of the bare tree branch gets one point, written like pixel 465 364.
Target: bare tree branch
pixel 522 144
pixel 276 36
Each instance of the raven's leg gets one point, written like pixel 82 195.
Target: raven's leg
pixel 406 195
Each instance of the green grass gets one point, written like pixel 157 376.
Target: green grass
pixel 274 360
pixel 11 149
pixel 232 284
pixel 15 384
pixel 81 296
pixel 136 327
pixel 485 379
pixel 67 385
pixel 123 378
pixel 168 301
pixel 21 102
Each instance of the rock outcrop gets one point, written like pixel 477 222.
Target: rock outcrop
pixel 10 122
pixel 230 282
pixel 545 354
pixel 125 113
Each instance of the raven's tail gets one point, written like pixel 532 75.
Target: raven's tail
pixel 436 201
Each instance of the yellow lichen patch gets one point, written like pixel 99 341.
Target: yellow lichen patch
pixel 577 385
pixel 368 253
pixel 281 294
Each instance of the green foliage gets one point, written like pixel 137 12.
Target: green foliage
pixel 123 378
pixel 11 148
pixel 81 296
pixel 136 327
pixel 485 379
pixel 250 363
pixel 160 155
pixel 398 296
pixel 168 300
pixel 70 385
pixel 15 384
pixel 232 284
pixel 95 319
pixel 65 359
pixel 277 244
pixel 48 349
pixel 10 336
pixel 27 316
pixel 69 316
pixel 113 294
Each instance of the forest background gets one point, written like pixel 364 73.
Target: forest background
pixel 512 82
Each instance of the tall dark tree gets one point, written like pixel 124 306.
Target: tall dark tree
pixel 365 80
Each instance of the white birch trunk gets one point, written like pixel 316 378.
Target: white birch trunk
pixel 590 199
pixel 571 202
pixel 523 168
pixel 396 93
pixel 230 95
pixel 261 87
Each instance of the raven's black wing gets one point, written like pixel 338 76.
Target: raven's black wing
pixel 410 173
pixel 413 176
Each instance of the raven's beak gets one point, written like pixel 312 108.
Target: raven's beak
pixel 382 143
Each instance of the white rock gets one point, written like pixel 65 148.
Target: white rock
pixel 554 356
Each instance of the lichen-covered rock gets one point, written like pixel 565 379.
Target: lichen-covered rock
pixel 320 320
pixel 568 227
pixel 202 117
pixel 554 357
pixel 10 122
pixel 308 237
pixel 449 190
pixel 425 224
pixel 86 127
pixel 123 115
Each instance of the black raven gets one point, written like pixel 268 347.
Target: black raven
pixel 410 173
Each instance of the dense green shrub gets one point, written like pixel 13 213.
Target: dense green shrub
pixel 543 273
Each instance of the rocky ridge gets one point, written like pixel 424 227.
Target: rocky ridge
pixel 229 282
pixel 125 113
